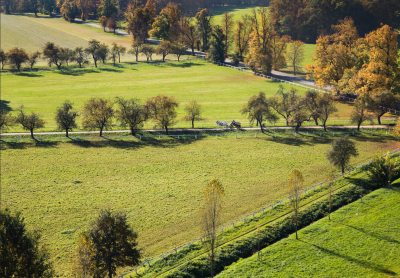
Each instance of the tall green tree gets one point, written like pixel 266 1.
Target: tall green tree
pixel 6 119
pixel 94 49
pixel 131 113
pixel 66 117
pixel 258 109
pixel 97 113
pixel 162 110
pixel 217 50
pixel 53 54
pixel 204 29
pixel 342 149
pixel 21 251
pixel 47 6
pixel 193 112
pixel 109 243
pixel 107 8
pixel 284 103
pixel 29 122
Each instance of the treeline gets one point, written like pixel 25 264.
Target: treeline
pixel 92 8
pixel 306 20
pixel 98 52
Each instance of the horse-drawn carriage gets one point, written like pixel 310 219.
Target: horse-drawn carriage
pixel 233 124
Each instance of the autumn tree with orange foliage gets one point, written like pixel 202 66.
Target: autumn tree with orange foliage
pixel 335 54
pixel 382 72
pixel 261 39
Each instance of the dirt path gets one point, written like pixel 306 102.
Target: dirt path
pixel 193 129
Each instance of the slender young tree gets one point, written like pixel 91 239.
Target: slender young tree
pixel 242 36
pixel 342 149
pixel 360 112
pixel 193 112
pixel 80 56
pixel 103 22
pixel 136 48
pixel 295 184
pixel 33 57
pixel 162 110
pixel 97 113
pixel 189 33
pixel 3 58
pixel 94 50
pixel 29 122
pixel 211 214
pixel 178 49
pixel 148 51
pixel 295 55
pixel 227 28
pixel 326 107
pixel 65 117
pixel 54 54
pixel 164 49
pixel 331 186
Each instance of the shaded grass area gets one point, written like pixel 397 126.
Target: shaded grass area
pixel 60 187
pixel 360 241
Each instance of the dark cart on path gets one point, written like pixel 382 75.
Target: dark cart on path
pixel 235 125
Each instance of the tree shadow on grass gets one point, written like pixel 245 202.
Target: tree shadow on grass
pixel 366 264
pixel 112 69
pixel 375 235
pixel 35 143
pixel 28 74
pixel 184 65
pixel 4 105
pixel 77 72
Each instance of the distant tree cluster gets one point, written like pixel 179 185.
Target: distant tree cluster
pixel 307 20
pixel 293 108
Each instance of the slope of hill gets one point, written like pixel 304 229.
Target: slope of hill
pixel 361 240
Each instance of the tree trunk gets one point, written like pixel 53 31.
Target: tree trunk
pixel 133 131
pixel 325 126
pixel 119 58
pixel 95 63
pixel 316 121
pixel 192 123
pixel 166 130
pixel 192 50
pixel 358 126
pixel 262 129
pixel 342 169
pixel 379 118
pixel 32 134
pixel 287 122
pixel 137 57
pixel 66 132
pixel 101 132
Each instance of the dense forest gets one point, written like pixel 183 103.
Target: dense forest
pixel 307 19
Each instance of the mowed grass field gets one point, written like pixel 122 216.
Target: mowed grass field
pixel 60 187
pixel 222 91
pixel 350 245
pixel 32 33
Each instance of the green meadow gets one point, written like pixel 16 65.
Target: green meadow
pixel 60 187
pixel 222 91
pixel 361 240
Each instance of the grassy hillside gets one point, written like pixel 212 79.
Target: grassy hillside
pixel 60 187
pixel 222 91
pixel 360 241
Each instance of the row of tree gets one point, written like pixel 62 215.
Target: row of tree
pixel 98 113
pixel 59 56
pixel 315 107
